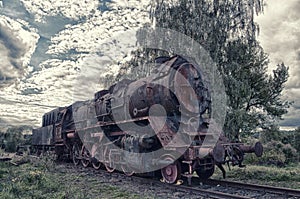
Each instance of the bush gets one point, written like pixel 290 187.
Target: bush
pixel 288 176
pixel 275 153
pixel 280 147
pixel 13 137
pixel 290 153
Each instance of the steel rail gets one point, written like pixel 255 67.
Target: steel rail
pixel 188 189
pixel 182 188
pixel 205 192
pixel 255 187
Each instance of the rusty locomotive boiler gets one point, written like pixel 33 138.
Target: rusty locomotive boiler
pixel 157 123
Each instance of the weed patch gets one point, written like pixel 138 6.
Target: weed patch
pixel 270 175
pixel 38 181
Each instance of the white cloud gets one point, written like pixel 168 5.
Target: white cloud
pixel 87 36
pixel 280 37
pixel 36 92
pixel 17 44
pixel 74 9
pixel 46 89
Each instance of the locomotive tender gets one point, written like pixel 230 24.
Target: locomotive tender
pixel 158 123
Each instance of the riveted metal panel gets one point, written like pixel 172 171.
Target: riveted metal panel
pixel 43 136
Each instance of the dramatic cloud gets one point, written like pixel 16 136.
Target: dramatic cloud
pixel 40 67
pixel 69 8
pixel 12 49
pixel 68 63
pixel 280 37
pixel 16 48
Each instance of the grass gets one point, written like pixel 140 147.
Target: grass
pixel 44 179
pixel 36 181
pixel 288 176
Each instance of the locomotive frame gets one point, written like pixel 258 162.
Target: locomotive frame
pixel 89 131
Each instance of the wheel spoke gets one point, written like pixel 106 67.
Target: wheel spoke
pixel 97 165
pixel 85 161
pixel 127 170
pixel 75 154
pixel 109 164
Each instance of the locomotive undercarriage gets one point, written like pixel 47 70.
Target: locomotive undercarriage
pixel 174 102
pixel 97 145
pixel 98 150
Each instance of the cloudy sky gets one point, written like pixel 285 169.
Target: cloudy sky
pixel 280 37
pixel 45 47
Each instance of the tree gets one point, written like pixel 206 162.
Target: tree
pixel 14 137
pixel 212 23
pixel 296 140
pixel 254 96
pixel 226 29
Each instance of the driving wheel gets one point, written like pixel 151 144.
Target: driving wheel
pixel 85 161
pixel 172 172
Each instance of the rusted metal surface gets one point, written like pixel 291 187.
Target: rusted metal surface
pixel 43 136
pixel 51 117
pixel 86 131
pixel 257 149
pixel 218 153
pixel 172 172
pixel 71 135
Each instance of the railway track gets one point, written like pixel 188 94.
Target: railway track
pixel 210 188
pixel 205 193
pixel 264 189
pixel 219 189
pixel 231 190
pixel 189 191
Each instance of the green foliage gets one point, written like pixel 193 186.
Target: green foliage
pixel 29 181
pixel 212 23
pixel 254 96
pixel 141 65
pixel 279 148
pixel 284 142
pixel 290 153
pixel 287 176
pixel 277 153
pixel 14 137
pixel 26 182
pixel 270 134
pixel 226 29
pixel 294 139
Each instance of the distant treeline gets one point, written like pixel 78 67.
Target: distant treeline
pixel 280 147
pixel 13 137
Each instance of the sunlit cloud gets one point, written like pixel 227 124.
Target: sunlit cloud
pixel 58 78
pixel 16 47
pixel 69 52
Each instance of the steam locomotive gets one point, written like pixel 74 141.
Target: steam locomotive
pixel 158 123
